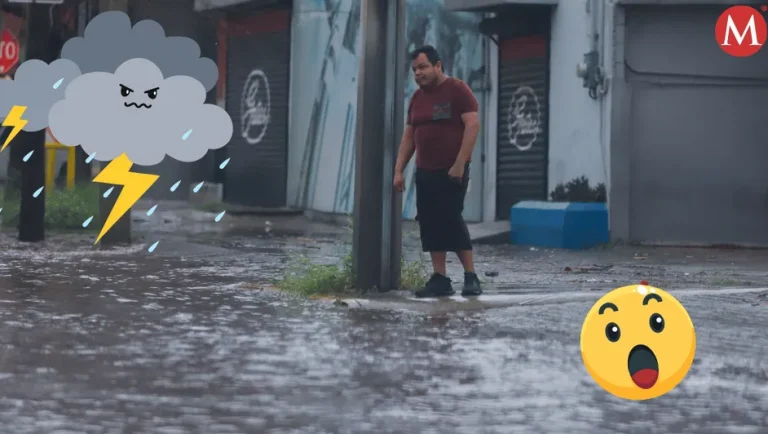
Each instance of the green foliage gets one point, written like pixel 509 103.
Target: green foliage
pixel 64 209
pixel 303 277
pixel 413 275
pixel 306 278
pixel 579 190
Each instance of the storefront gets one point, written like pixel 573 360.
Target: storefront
pixel 522 32
pixel 255 48
pixel 523 119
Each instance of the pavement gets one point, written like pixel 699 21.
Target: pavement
pixel 501 267
pixel 190 338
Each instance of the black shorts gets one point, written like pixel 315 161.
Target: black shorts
pixel 439 205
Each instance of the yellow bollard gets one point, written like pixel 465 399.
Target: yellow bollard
pixel 71 168
pixel 50 169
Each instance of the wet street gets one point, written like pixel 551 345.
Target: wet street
pixel 136 343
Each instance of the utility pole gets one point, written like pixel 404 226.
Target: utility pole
pixel 377 224
pixel 44 45
pixel 121 231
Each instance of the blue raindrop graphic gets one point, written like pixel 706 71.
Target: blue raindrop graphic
pixel 87 221
pixel 186 135
pixel 198 187
pixel 176 185
pixel 37 192
pixel 153 247
pixel 224 163
pixel 220 216
pixel 108 192
pixel 152 210
pixel 58 83
pixel 28 156
pixel 90 158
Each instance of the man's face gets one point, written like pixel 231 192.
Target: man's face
pixel 424 72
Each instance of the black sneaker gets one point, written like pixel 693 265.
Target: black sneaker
pixel 437 286
pixel 472 287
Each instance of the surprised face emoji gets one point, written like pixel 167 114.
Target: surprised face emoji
pixel 638 342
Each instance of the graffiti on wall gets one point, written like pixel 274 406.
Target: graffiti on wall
pixel 524 118
pixel 326 41
pixel 255 105
pixel 322 137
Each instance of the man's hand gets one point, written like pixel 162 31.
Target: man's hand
pixel 457 172
pixel 399 182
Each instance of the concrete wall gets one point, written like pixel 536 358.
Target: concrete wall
pixel 577 130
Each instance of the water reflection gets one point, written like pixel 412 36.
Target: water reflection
pixel 147 344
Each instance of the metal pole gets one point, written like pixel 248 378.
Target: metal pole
pixel 40 45
pixel 377 233
pixel 121 231
pixel 392 224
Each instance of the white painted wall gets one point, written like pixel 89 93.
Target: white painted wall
pixel 491 133
pixel 577 138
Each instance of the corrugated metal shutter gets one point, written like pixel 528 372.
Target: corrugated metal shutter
pixel 523 141
pixel 258 52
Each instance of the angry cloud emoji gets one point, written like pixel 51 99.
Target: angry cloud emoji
pixel 139 112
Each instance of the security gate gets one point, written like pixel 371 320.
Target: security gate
pixel 258 59
pixel 523 122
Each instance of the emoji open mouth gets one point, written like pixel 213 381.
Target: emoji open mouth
pixel 643 367
pixel 140 105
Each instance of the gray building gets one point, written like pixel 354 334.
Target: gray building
pixel 673 126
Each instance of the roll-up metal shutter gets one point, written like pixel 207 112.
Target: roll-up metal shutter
pixel 523 122
pixel 258 60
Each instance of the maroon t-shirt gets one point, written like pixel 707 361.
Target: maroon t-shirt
pixel 435 115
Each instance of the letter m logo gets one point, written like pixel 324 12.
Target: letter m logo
pixel 741 31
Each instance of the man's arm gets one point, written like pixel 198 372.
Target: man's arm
pixel 406 150
pixel 471 119
pixel 407 145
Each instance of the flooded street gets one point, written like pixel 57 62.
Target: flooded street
pixel 140 352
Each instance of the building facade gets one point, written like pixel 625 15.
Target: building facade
pixel 687 139
pixel 296 136
pixel 656 113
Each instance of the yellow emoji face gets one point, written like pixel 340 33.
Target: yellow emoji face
pixel 638 342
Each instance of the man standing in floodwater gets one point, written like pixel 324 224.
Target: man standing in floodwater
pixel 442 128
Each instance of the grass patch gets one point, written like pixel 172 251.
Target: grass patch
pixel 64 209
pixel 306 278
pixel 303 277
pixel 216 207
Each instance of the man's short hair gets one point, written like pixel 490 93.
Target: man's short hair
pixel 429 51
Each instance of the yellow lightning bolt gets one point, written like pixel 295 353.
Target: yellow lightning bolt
pixel 118 172
pixel 14 120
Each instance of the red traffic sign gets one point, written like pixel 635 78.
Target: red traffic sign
pixel 9 51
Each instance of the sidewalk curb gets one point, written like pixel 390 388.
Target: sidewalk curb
pixel 496 301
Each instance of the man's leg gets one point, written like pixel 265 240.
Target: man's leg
pixel 429 214
pixel 438 262
pixel 466 259
pixel 472 286
pixel 439 285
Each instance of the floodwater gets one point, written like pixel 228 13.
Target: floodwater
pixel 113 356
